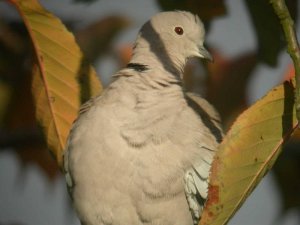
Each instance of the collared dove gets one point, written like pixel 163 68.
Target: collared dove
pixel 140 153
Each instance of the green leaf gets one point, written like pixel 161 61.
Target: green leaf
pixel 62 78
pixel 248 151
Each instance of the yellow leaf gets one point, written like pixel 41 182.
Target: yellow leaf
pixel 248 151
pixel 62 79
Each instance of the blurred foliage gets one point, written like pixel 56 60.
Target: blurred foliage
pixel 268 29
pixel 62 78
pixel 207 10
pixel 84 1
pixel 286 173
pixel 227 82
pixel 225 86
pixel 95 39
pixel 18 126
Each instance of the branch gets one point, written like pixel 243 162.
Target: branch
pixel 287 23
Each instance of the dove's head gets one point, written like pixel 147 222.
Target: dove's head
pixel 172 38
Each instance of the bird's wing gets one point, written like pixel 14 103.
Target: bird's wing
pixel 196 178
pixel 83 109
pixel 207 112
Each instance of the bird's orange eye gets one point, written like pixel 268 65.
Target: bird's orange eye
pixel 178 30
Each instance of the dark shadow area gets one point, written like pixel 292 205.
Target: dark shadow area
pixel 84 80
pixel 287 176
pixel 287 117
pixel 158 48
pixel 206 119
pixel 287 166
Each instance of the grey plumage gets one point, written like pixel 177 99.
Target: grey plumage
pixel 140 152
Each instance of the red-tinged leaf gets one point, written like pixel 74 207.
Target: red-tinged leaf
pixel 248 151
pixel 290 73
pixel 123 55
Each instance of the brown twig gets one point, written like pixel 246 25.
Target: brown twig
pixel 287 23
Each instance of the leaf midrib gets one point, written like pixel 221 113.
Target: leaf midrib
pixel 41 67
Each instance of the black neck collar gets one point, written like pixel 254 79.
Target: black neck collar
pixel 137 67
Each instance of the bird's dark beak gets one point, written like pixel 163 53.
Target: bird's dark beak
pixel 203 53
